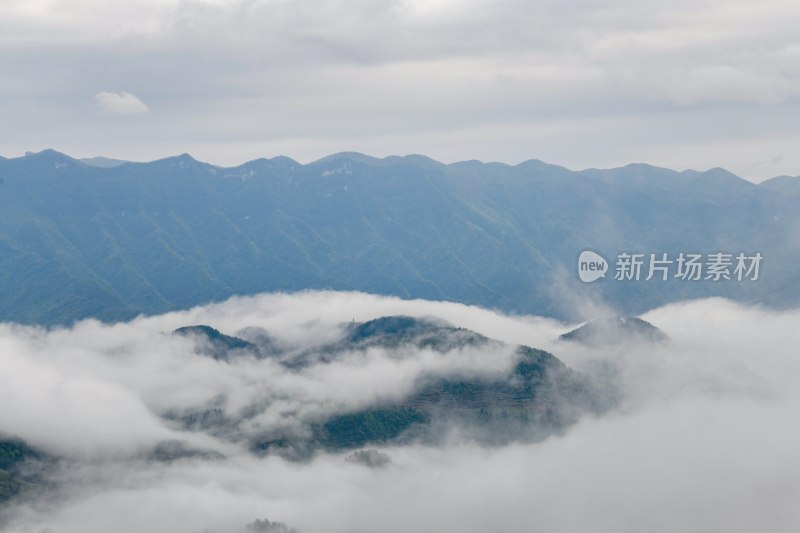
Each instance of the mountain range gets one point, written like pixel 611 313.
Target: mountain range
pixel 111 239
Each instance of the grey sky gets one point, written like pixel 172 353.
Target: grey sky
pixel 583 83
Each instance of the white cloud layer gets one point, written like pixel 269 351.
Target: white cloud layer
pixel 705 439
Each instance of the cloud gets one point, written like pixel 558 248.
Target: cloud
pixel 703 441
pixel 122 103
pixel 679 86
pixel 112 384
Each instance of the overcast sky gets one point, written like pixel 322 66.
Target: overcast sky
pixel 585 83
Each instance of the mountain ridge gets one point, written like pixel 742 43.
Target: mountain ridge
pixel 106 162
pixel 79 241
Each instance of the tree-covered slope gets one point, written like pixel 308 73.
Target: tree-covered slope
pixel 15 454
pixel 79 240
pixel 535 396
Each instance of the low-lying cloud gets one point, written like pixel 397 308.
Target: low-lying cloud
pixel 703 440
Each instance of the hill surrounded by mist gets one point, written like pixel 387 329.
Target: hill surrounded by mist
pixel 459 386
pixel 535 395
pixel 97 416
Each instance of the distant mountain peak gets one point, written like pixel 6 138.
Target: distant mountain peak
pixel 184 162
pixel 49 154
pixel 215 343
pixel 398 325
pixel 102 162
pixel 180 158
pixel 782 184
pixel 422 159
pixel 349 156
pixel 615 330
pixel 284 162
pixel 719 176
pixel 48 159
pixel 184 158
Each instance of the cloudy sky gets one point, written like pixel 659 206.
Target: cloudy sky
pixel 588 83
